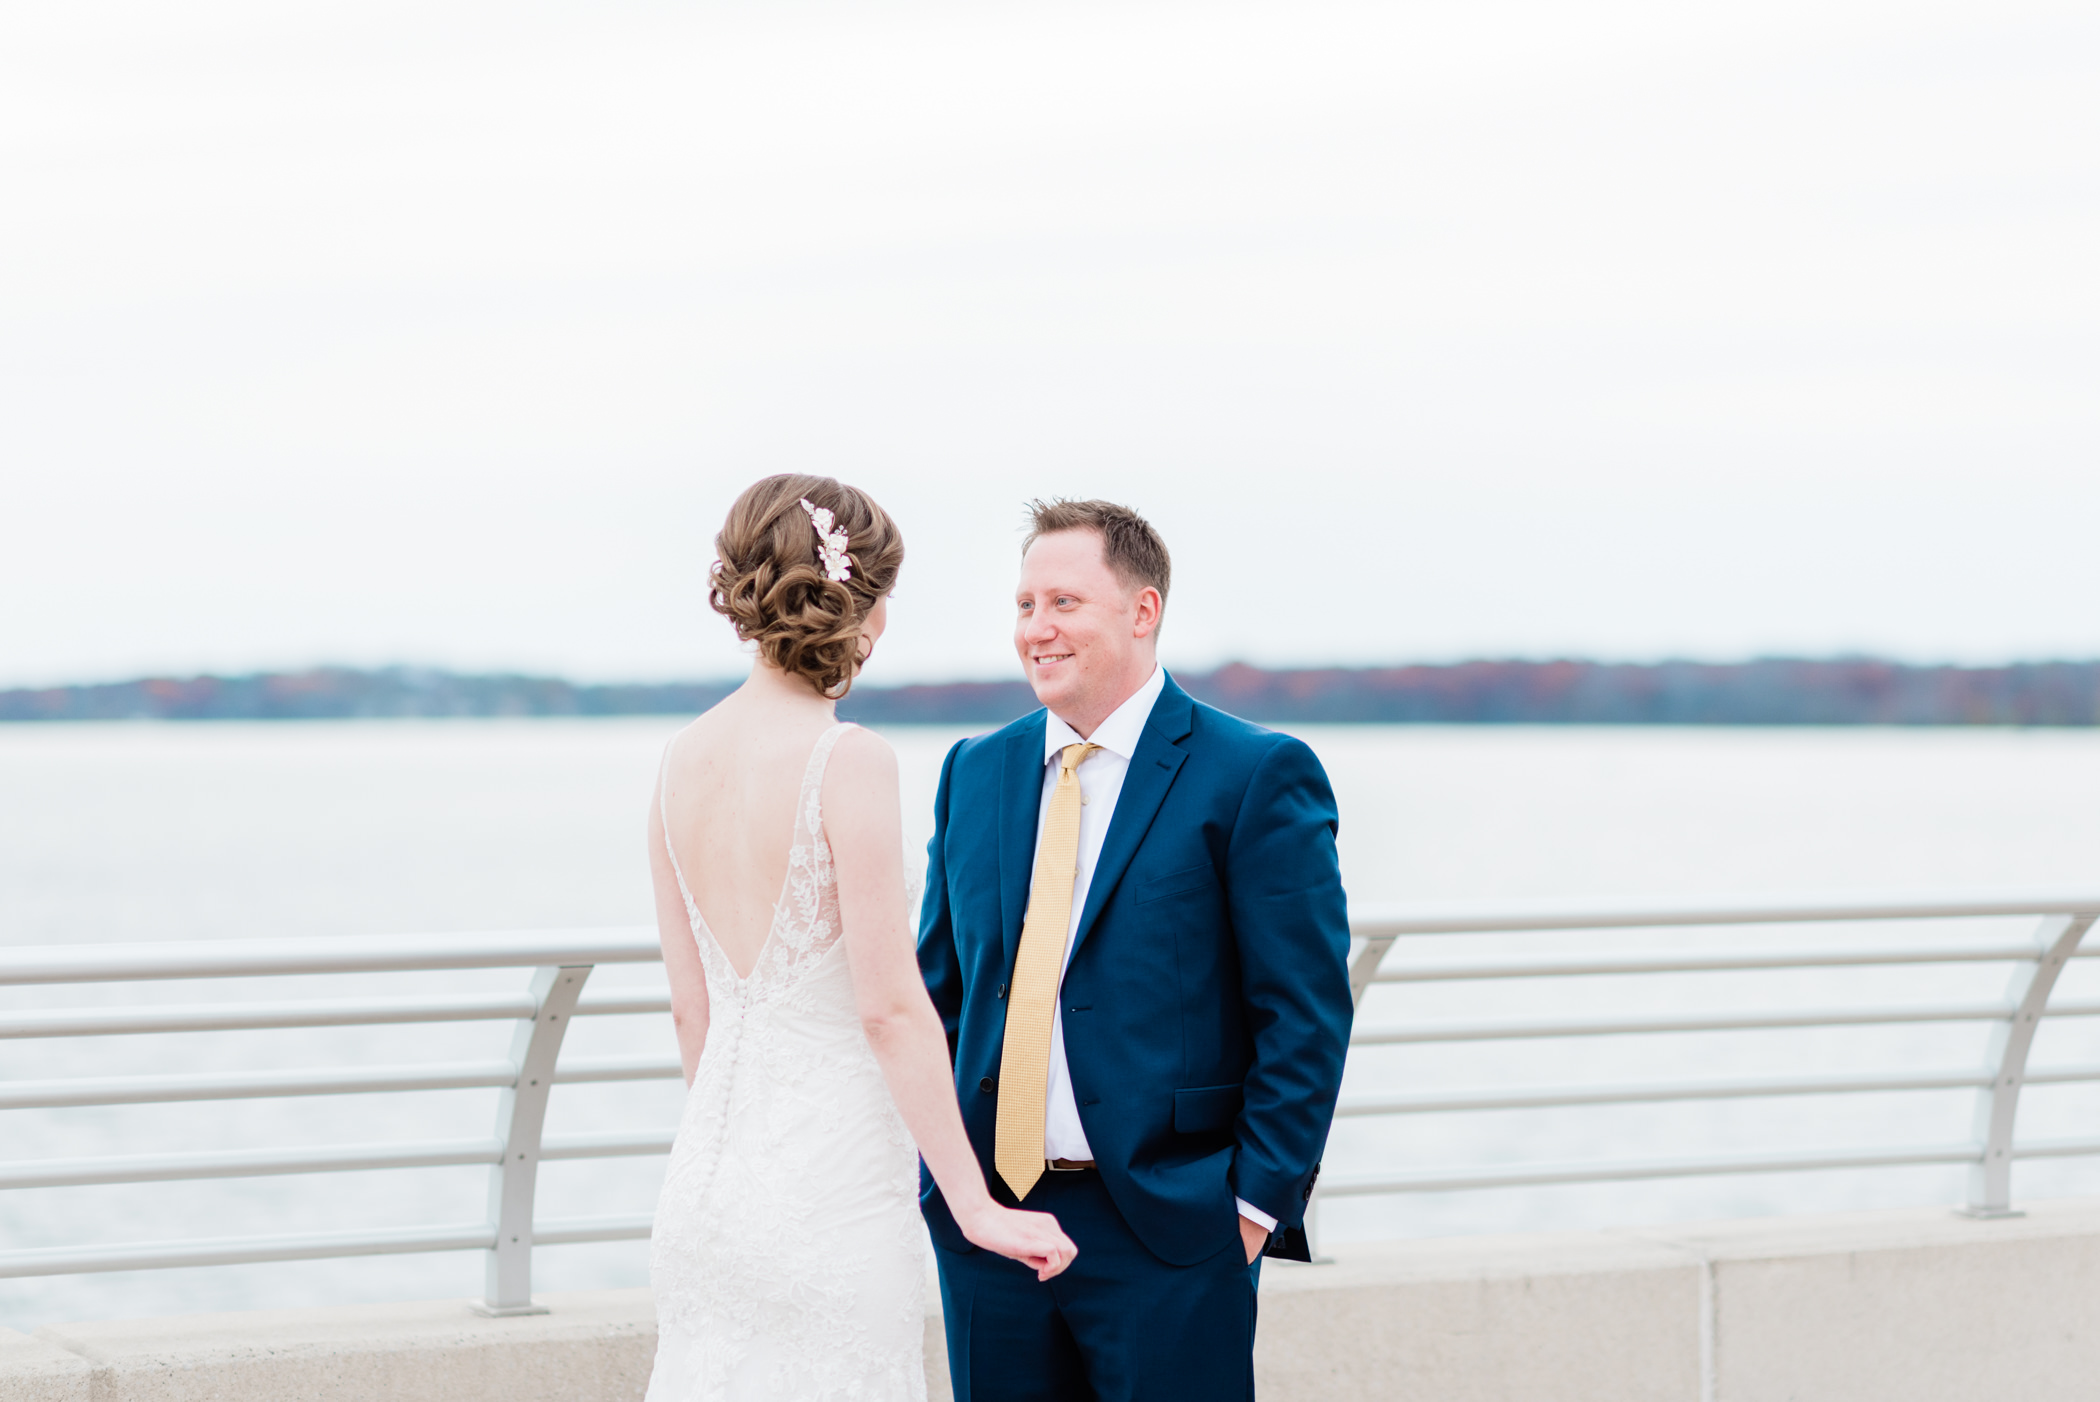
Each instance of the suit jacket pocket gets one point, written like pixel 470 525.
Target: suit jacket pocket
pixel 1206 1109
pixel 1174 883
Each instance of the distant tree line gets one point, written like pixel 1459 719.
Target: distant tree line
pixel 1774 691
pixel 343 693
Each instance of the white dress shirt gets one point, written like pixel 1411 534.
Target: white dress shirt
pixel 1100 785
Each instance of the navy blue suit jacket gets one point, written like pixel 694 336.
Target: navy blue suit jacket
pixel 1206 1003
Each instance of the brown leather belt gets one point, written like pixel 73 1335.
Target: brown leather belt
pixel 1068 1165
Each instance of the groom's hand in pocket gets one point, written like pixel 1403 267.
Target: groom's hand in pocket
pixel 1254 1236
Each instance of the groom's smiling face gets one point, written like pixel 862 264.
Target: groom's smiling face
pixel 1084 635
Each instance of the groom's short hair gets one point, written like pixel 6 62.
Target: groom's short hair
pixel 1128 543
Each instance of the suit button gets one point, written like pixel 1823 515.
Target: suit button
pixel 987 1085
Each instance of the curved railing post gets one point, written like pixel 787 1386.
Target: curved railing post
pixel 1998 1104
pixel 1363 966
pixel 521 1114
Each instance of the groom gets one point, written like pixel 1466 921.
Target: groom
pixel 1135 933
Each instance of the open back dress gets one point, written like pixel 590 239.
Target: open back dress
pixel 788 1257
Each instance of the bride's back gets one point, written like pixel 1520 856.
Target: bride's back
pixel 784 1251
pixel 804 566
pixel 733 779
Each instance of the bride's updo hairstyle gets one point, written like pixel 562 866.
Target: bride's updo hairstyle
pixel 769 578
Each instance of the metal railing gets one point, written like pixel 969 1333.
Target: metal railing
pixel 2014 1015
pixel 561 962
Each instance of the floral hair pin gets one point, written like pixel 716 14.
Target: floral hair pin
pixel 831 542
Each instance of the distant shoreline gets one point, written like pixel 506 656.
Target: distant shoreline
pixel 1768 691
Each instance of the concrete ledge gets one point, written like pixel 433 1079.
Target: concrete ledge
pixel 1913 1305
pixel 37 1370
pixel 1908 1306
pixel 1545 1319
pixel 590 1346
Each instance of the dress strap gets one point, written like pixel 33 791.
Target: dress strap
pixel 810 812
pixel 663 814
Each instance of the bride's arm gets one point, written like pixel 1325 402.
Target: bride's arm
pixel 863 820
pixel 681 956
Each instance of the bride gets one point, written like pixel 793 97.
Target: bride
pixel 788 1255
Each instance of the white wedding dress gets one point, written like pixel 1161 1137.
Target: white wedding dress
pixel 788 1257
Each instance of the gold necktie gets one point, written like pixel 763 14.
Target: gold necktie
pixel 1039 966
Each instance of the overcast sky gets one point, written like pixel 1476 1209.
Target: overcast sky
pixel 445 333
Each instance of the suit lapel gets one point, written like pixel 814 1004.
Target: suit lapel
pixel 1152 769
pixel 1020 806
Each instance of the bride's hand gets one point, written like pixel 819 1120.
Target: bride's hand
pixel 1032 1238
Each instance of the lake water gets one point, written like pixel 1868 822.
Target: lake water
pixel 142 832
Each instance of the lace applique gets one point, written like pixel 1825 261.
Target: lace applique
pixel 788 1256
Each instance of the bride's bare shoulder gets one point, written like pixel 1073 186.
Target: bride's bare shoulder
pixel 690 743
pixel 862 751
pixel 729 723
pixel 862 763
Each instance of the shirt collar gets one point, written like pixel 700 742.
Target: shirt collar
pixel 1120 732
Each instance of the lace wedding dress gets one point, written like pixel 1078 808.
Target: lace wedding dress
pixel 788 1257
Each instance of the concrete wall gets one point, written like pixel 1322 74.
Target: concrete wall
pixel 1921 1306
pixel 589 1347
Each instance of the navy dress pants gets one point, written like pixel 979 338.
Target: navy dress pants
pixel 1119 1325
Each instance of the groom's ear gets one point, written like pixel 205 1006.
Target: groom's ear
pixel 1149 608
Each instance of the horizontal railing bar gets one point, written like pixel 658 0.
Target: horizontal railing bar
pixel 83 963
pixel 2073 1008
pixel 234 1251
pixel 2056 1148
pixel 82 1022
pixel 332 1158
pixel 147 1090
pixel 1473 917
pixel 86 963
pixel 458 1075
pixel 246 1163
pixel 1514 1028
pixel 334 954
pixel 2061 1075
pixel 617 1068
pixel 1540 1097
pixel 1536 1174
pixel 566 1231
pixel 242 1017
pixel 479 1236
pixel 606 1004
pixel 607 1144
pixel 1661 962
